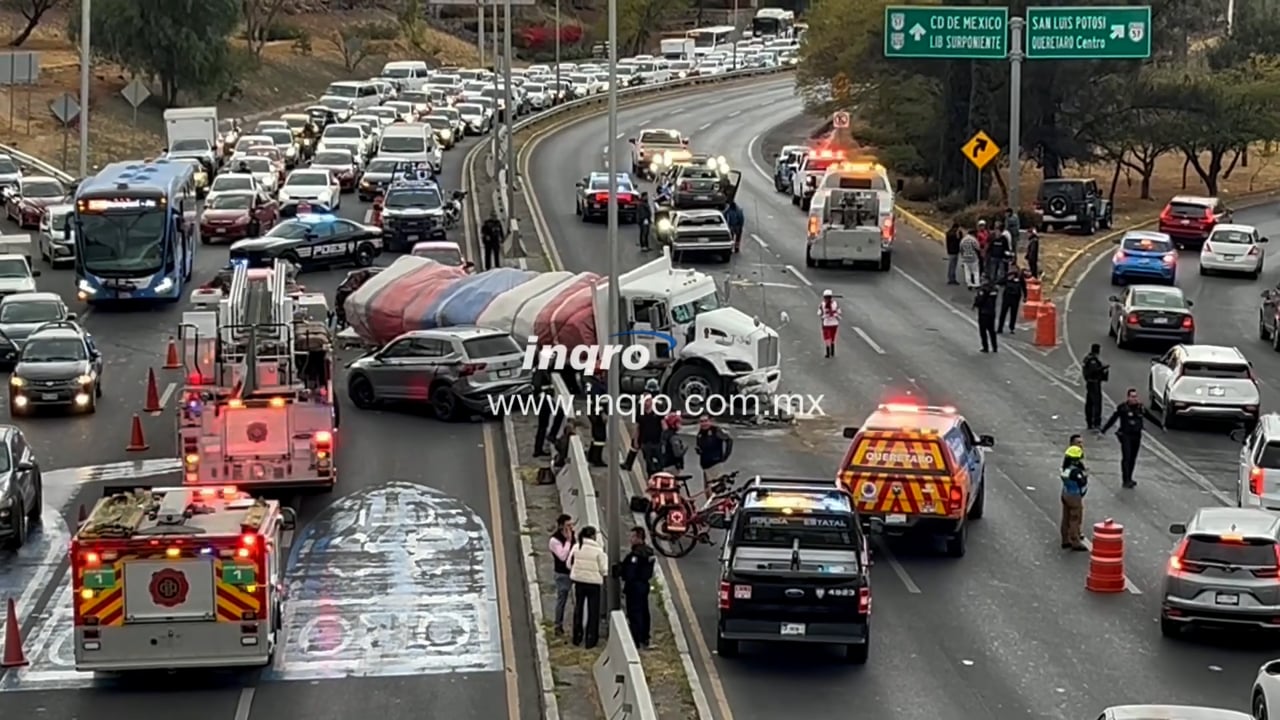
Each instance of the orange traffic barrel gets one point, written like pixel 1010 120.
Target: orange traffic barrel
pixel 1047 325
pixel 1106 558
pixel 1031 309
pixel 1034 291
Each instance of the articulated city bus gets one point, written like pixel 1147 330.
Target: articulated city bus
pixel 136 231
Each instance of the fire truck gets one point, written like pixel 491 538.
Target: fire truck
pixel 257 407
pixel 173 578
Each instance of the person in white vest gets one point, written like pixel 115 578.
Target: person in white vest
pixel 829 312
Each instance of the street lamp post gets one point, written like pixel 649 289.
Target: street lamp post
pixel 613 486
pixel 557 87
pixel 86 14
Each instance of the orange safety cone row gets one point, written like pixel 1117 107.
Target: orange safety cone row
pixel 1106 559
pixel 171 361
pixel 1031 309
pixel 1035 291
pixel 1047 325
pixel 14 655
pixel 137 441
pixel 152 403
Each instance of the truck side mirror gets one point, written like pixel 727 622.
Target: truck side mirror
pixel 654 318
pixel 631 140
pixel 72 316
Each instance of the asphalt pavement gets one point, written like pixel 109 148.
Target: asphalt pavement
pixel 1007 631
pixel 1226 313
pixel 401 601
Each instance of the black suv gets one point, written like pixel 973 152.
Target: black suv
pixel 1073 202
pixel 58 366
pixel 21 491
pixel 795 568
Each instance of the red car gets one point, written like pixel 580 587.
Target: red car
pixel 26 201
pixel 1189 219
pixel 237 215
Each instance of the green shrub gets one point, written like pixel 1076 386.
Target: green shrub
pixel 952 202
pixel 374 30
pixel 969 217
pixel 919 190
pixel 302 45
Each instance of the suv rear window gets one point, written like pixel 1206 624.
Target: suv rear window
pixel 1216 370
pixel 1187 209
pixel 1071 189
pixel 1147 244
pixel 491 346
pixel 1255 552
pixel 1232 236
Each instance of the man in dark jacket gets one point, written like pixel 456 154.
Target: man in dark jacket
pixel 548 427
pixel 737 221
pixel 1094 373
pixel 954 235
pixel 1012 293
pixel 635 571
pixel 985 303
pixel 713 445
pixel 595 389
pixel 491 237
pixel 998 253
pixel 1033 253
pixel 644 219
pixel 1129 415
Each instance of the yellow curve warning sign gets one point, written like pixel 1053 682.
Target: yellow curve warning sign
pixel 890 453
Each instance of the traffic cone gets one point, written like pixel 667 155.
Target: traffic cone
pixel 137 442
pixel 14 656
pixel 153 394
pixel 1106 560
pixel 171 361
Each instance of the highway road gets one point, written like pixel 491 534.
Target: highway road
pixel 1007 631
pixel 1226 313
pixel 395 623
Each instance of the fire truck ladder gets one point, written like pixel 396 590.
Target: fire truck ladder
pixel 257 333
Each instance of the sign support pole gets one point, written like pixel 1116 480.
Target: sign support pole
pixel 613 487
pixel 86 21
pixel 1016 57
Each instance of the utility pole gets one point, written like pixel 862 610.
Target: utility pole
pixel 1016 56
pixel 480 21
pixel 613 485
pixel 497 123
pixel 510 164
pixel 86 16
pixel 557 87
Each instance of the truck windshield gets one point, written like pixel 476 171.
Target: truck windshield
pixel 815 532
pixel 686 312
pixel 131 243
pixel 189 145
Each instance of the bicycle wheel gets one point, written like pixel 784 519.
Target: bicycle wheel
pixel 673 543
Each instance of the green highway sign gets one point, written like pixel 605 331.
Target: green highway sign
pixel 1088 33
pixel 931 31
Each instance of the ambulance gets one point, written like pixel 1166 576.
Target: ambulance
pixel 174 578
pixel 918 470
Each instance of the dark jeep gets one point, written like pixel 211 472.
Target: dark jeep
pixel 1073 202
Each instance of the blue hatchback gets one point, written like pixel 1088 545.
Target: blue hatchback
pixel 1144 257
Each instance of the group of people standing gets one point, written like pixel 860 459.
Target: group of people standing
pixel 988 258
pixel 581 567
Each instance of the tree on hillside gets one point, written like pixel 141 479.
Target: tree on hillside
pixel 33 11
pixel 181 43
pixel 638 19
pixel 258 16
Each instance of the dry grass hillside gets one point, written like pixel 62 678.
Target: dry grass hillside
pixel 286 76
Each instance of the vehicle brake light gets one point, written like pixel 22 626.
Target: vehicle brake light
pixel 602 197
pixel 1176 562
pixel 1188 323
pixel 472 368
pixel 249 540
pixel 195 378
pixel 1255 481
pixel 323 438
pixel 864 601
pixel 1208 215
pixel 955 500
pixel 1132 319
pixel 1170 258
pixel 1166 214
pixel 92 559
pixel 726 595
pixel 242 552
pixel 1118 257
pixel 813 226
pixel 172 552
pixel 886 229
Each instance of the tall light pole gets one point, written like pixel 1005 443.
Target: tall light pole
pixel 493 135
pixel 613 486
pixel 480 21
pixel 510 163
pixel 86 16
pixel 557 88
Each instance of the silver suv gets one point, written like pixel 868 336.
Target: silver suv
pixel 1225 571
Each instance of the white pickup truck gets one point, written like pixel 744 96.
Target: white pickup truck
pixel 850 229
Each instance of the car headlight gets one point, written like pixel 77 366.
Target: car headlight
pixel 15 381
pixel 448 134
pixel 291 152
pixel 87 378
pixel 164 286
pixel 664 225
pixel 86 288
pixel 654 168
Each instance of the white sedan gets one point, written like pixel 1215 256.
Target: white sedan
pixel 1266 691
pixel 1233 248
pixel 233 182
pixel 311 186
pixel 263 170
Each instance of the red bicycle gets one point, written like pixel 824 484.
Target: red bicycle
pixel 678 518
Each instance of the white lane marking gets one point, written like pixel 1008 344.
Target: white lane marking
pixel 735 113
pixel 644 122
pixel 867 339
pixel 751 157
pixel 619 136
pixel 704 126
pixel 368 216
pixel 792 269
pixel 677 111
pixel 167 394
pixel 898 570
pixel 245 704
pixel 605 150
pixel 760 241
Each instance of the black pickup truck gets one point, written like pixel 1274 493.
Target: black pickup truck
pixel 795 568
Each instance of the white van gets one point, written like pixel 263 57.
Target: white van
pixel 408 74
pixel 410 142
pixel 361 94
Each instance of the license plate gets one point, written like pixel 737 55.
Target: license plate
pixel 792 629
pixel 1161 321
pixel 1227 599
pixel 124 295
pixel 1186 222
pixel 704 240
pixel 895 519
pixel 702 197
pixel 504 373
pixel 220 231
pixel 49 396
pixel 742 592
pixel 1230 257
pixel 1217 391
pixel 411 238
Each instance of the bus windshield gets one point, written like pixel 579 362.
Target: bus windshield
pixel 123 243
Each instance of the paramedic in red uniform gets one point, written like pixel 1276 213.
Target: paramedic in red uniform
pixel 829 312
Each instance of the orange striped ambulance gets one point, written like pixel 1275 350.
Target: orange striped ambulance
pixel 917 469
pixel 176 578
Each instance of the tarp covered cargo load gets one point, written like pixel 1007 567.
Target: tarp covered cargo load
pixel 417 293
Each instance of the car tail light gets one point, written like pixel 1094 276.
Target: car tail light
pixel 1208 247
pixel 1253 251
pixel 602 197
pixel 1118 257
pixel 726 595
pixel 1208 216
pixel 813 226
pixel 887 229
pixel 1132 319
pixel 955 501
pixel 1178 561
pixel 1255 481
pixel 625 197
pixel 472 368
pixel 864 601
pixel 1166 215
pixel 1273 572
pixel 1188 323
pixel 1170 258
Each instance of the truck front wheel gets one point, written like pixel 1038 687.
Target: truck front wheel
pixel 691 381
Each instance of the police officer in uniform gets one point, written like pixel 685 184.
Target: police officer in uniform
pixel 985 303
pixel 648 436
pixel 596 389
pixel 1129 415
pixel 548 427
pixel 636 571
pixel 1094 373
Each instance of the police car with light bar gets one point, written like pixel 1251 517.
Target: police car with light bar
pixel 312 240
pixel 412 212
pixel 809 171
pixel 795 568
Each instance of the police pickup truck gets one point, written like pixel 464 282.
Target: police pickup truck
pixel 795 568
